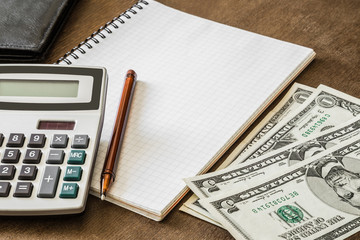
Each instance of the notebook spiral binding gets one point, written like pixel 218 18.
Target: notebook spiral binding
pixel 133 9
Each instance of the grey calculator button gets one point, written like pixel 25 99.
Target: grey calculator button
pixel 7 172
pixel 4 189
pixel 28 172
pixel 23 189
pixel 37 140
pixel 80 141
pixel 11 156
pixel 56 157
pixel 1 139
pixel 32 156
pixel 49 182
pixel 16 140
pixel 59 141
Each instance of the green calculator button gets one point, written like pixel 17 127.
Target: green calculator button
pixel 69 190
pixel 73 174
pixel 77 157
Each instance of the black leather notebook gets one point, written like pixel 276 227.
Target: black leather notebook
pixel 28 27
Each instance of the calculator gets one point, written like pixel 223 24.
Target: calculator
pixel 51 121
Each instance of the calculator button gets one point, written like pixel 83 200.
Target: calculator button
pixel 16 140
pixel 37 140
pixel 73 173
pixel 1 139
pixel 77 157
pixel 32 156
pixel 59 141
pixel 49 182
pixel 7 172
pixel 69 190
pixel 11 156
pixel 23 189
pixel 55 157
pixel 80 141
pixel 4 189
pixel 28 172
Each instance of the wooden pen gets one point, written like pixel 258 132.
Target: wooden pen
pixel 112 155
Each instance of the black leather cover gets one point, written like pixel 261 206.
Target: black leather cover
pixel 28 27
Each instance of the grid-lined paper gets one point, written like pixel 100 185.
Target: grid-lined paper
pixel 199 82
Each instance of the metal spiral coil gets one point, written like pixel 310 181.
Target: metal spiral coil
pixel 114 23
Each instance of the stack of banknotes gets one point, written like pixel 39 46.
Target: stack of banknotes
pixel 296 176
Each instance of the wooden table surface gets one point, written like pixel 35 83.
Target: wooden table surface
pixel 331 28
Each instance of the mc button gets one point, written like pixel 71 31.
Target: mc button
pixel 77 157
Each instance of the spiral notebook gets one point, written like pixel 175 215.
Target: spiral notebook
pixel 200 85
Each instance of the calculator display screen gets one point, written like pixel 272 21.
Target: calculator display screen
pixel 56 125
pixel 39 88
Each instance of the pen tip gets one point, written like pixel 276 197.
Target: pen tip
pixel 103 197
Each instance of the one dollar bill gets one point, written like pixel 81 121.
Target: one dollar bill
pixel 296 96
pixel 325 109
pixel 215 183
pixel 293 99
pixel 318 198
pixel 329 106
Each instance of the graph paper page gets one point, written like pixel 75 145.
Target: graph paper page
pixel 199 83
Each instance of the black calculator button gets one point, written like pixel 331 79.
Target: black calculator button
pixel 59 141
pixel 16 140
pixel 1 139
pixel 32 156
pixel 37 140
pixel 80 141
pixel 4 189
pixel 28 172
pixel 55 157
pixel 7 172
pixel 49 182
pixel 11 156
pixel 23 189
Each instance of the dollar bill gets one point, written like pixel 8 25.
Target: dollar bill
pixel 325 109
pixel 193 207
pixel 296 95
pixel 205 217
pixel 344 100
pixel 214 183
pixel 318 198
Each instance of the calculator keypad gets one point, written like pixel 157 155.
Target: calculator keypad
pixel 55 157
pixel 69 190
pixel 34 157
pixel 80 141
pixel 4 189
pixel 37 141
pixel 23 189
pixel 7 172
pixel 28 172
pixel 16 140
pixel 11 156
pixel 59 141
pixel 49 182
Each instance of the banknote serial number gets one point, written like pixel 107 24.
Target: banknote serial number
pixel 275 202
pixel 316 125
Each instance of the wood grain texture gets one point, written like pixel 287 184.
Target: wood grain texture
pixel 331 28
